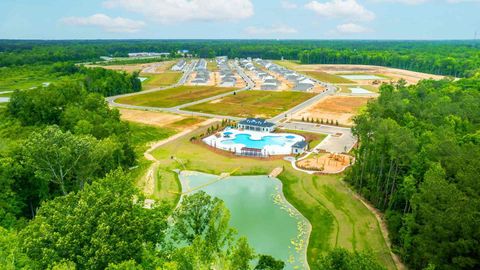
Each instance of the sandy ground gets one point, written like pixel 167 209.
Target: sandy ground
pixel 326 163
pixel 336 108
pixel 159 119
pixel 394 74
pixel 149 68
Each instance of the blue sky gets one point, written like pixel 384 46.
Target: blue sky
pixel 284 19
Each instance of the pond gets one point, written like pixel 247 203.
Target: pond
pixel 259 211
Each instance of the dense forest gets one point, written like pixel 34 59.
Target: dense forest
pixel 418 160
pixel 454 58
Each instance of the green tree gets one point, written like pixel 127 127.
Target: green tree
pixel 266 262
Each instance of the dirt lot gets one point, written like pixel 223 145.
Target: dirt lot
pixel 393 74
pixel 336 108
pixel 159 119
pixel 325 163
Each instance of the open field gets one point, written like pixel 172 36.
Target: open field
pixel 390 74
pixel 161 79
pixel 160 119
pixel 155 67
pixel 174 96
pixel 338 219
pixel 326 77
pixel 253 103
pixel 340 108
pixel 24 78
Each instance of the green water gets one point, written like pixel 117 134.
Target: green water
pixel 259 212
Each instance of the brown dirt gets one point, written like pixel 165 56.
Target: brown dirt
pixel 325 163
pixel 394 74
pixel 340 108
pixel 159 119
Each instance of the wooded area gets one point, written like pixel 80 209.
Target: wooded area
pixel 418 160
pixel 453 58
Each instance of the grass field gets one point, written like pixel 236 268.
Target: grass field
pixel 173 96
pixel 290 64
pixel 161 80
pixel 6 94
pixel 22 78
pixel 313 138
pixel 326 77
pixel 253 103
pixel 338 219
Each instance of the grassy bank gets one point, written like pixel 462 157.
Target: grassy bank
pixel 338 220
pixel 161 80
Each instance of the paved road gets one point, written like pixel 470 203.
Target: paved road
pixel 178 109
pixel 338 140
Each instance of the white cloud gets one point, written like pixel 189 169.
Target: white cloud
pixel 351 28
pixel 347 9
pixel 418 2
pixel 268 31
pixel 172 11
pixel 107 23
pixel 288 5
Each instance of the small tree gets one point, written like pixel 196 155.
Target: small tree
pixel 321 121
pixel 336 122
pixel 303 119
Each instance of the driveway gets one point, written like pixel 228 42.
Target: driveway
pixel 338 140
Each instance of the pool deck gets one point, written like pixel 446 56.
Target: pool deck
pixel 220 141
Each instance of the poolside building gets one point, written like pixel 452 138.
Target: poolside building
pixel 256 124
pixel 299 147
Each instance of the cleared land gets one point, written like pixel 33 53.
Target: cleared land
pixel 336 108
pixel 325 163
pixel 390 74
pixel 371 88
pixel 338 219
pixel 253 103
pixel 161 80
pixel 174 96
pixel 160 119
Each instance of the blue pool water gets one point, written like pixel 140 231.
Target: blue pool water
pixel 246 140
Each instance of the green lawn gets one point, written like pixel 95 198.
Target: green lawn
pixel 327 77
pixel 6 94
pixel 290 64
pixel 212 66
pixel 173 96
pixel 161 80
pixel 253 103
pixel 338 219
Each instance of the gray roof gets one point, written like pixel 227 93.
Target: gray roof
pixel 300 144
pixel 259 122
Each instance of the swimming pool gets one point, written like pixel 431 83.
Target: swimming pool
pixel 234 140
pixel 246 139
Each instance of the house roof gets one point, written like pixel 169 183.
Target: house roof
pixel 259 122
pixel 300 144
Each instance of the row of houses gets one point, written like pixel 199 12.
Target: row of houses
pixel 268 81
pixel 202 75
pixel 227 77
pixel 179 65
pixel 301 83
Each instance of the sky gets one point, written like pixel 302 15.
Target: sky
pixel 239 19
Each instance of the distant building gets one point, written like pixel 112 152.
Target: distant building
pixel 148 54
pixel 179 65
pixel 256 124
pixel 299 147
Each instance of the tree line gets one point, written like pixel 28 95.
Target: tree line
pixel 418 161
pixel 453 58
